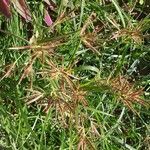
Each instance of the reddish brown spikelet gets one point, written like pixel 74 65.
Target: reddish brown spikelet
pixel 126 92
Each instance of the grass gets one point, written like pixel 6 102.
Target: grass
pixel 82 83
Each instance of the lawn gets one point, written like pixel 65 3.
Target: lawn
pixel 75 75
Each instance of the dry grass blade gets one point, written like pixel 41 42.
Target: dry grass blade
pixel 84 142
pixel 35 96
pixel 9 71
pixel 43 46
pixel 89 42
pixel 87 22
pixel 28 68
pixel 22 8
pixel 94 130
pixel 89 39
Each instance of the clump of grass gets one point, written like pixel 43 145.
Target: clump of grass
pixel 61 86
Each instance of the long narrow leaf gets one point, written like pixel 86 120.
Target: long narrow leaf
pixel 119 12
pixel 22 9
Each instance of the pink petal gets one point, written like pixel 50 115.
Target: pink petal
pixel 6 2
pixel 4 8
pixel 47 18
